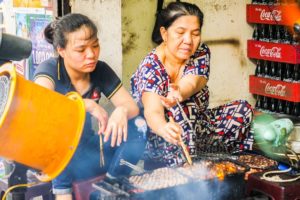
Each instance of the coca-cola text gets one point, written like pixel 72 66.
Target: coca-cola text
pixel 278 90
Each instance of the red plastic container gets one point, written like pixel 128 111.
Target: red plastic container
pixel 273 51
pixel 275 89
pixel 266 14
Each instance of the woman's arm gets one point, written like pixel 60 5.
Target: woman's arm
pixel 98 112
pixel 126 108
pixel 154 114
pixel 190 84
pixel 195 79
pixel 44 82
pixel 186 87
pixel 123 100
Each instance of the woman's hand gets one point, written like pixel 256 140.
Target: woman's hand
pixel 171 132
pixel 117 126
pixel 98 112
pixel 172 97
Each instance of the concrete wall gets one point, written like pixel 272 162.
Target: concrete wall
pixel 137 24
pixel 225 30
pixel 107 16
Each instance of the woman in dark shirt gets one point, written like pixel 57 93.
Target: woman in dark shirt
pixel 77 68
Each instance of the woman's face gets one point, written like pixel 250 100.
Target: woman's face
pixel 183 37
pixel 81 52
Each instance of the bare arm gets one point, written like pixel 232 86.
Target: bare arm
pixel 126 108
pixel 191 84
pixel 154 114
pixel 185 88
pixel 122 99
pixel 44 82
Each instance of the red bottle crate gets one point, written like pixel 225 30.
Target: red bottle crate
pixel 273 51
pixel 275 89
pixel 266 14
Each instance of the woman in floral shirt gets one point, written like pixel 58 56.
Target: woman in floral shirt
pixel 172 79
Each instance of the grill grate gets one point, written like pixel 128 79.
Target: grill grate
pixel 209 146
pixel 170 177
pixel 212 146
pixel 219 179
pixel 4 88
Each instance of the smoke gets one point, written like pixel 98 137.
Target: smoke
pixel 205 187
pixel 196 190
pixel 212 189
pixel 202 183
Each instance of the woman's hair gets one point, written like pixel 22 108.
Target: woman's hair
pixel 56 32
pixel 173 11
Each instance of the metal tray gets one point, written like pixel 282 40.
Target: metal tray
pixel 245 153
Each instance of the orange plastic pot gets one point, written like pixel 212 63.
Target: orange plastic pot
pixel 39 128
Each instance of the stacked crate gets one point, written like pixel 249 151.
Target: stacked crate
pixel 276 82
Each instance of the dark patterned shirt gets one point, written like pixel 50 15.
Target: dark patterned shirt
pixel 103 80
pixel 151 76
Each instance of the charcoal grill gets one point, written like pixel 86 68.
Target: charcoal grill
pixel 178 183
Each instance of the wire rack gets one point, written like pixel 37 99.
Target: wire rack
pixel 209 146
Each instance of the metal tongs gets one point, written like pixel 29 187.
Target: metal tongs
pixel 132 166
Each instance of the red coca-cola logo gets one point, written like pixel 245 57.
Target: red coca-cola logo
pixel 278 90
pixel 274 52
pixel 274 15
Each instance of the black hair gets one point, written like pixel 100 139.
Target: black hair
pixel 56 31
pixel 173 11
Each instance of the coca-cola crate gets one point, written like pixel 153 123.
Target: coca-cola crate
pixel 273 51
pixel 267 14
pixel 275 89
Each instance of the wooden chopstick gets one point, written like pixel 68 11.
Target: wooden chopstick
pixel 183 146
pixel 102 161
pixel 186 153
